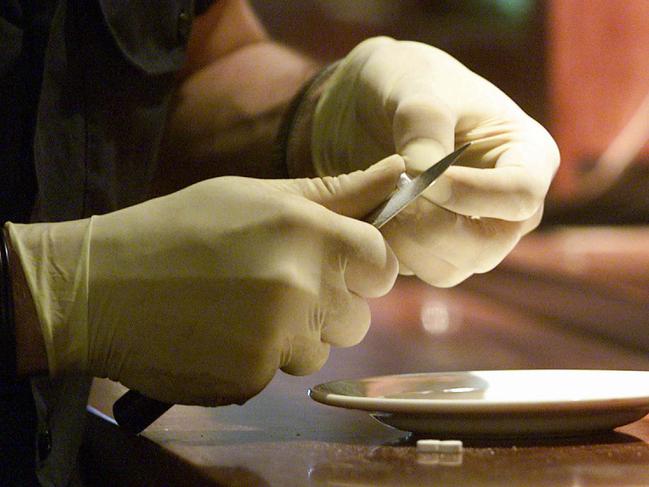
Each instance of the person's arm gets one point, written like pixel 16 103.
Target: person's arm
pixel 200 296
pixel 31 357
pixel 234 89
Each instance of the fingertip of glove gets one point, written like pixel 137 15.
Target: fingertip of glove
pixel 393 165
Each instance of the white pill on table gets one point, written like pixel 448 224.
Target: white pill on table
pixel 450 446
pixel 428 446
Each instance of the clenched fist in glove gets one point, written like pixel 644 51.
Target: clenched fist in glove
pixel 409 98
pixel 200 296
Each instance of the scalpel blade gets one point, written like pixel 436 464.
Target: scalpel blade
pixel 411 190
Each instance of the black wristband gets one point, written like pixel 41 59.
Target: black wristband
pixel 292 116
pixel 7 323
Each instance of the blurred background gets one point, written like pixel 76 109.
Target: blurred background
pixel 580 67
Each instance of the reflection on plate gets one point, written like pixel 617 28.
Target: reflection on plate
pixel 497 403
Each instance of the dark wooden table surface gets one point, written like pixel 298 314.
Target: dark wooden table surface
pixel 573 298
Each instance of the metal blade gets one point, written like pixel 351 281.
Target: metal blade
pixel 410 191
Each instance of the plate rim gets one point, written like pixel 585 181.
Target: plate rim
pixel 478 406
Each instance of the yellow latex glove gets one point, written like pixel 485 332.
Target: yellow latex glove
pixel 409 98
pixel 200 296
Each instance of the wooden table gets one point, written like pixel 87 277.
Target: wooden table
pixel 537 310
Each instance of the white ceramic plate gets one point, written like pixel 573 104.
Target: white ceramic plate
pixel 497 403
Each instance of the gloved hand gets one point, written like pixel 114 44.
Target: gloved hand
pixel 200 296
pixel 409 98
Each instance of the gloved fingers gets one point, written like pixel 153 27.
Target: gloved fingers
pixel 508 193
pixel 337 317
pixel 367 262
pixel 186 387
pixel 424 131
pixel 532 222
pixel 355 194
pixel 444 248
pixel 330 208
pixel 513 189
pixel 350 246
pixel 304 355
pixel 345 319
pixel 436 271
pixel 518 156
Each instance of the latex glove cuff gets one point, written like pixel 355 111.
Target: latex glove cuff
pixel 294 134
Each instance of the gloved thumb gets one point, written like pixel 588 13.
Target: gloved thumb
pixel 357 193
